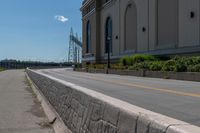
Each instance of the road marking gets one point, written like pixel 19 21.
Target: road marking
pixel 137 85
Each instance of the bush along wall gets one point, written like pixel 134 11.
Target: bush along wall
pixel 154 63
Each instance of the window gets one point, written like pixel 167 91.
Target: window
pixel 108 35
pixel 88 37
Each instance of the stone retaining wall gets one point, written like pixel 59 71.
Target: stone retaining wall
pixel 87 111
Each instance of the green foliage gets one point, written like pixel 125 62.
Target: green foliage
pixel 175 64
pixel 137 58
pixel 180 67
pixel 156 66
pixel 78 65
pixel 126 61
pixel 143 57
pixel 140 66
pixel 195 68
pixel 169 65
pixel 96 66
pixel 181 64
pixel 191 60
pixel 1 69
pixel 152 63
pixel 118 66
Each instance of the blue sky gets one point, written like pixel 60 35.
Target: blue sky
pixel 38 29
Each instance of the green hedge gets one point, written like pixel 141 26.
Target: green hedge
pixel 138 58
pixel 176 64
pixel 153 63
pixel 195 68
pixel 156 66
pixel 126 61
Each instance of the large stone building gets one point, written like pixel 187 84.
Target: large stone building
pixel 160 27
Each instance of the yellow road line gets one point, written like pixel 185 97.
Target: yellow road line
pixel 118 82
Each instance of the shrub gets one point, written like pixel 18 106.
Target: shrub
pixel 99 66
pixel 156 66
pixel 176 64
pixel 1 69
pixel 78 65
pixel 96 66
pixel 143 57
pixel 126 61
pixel 180 67
pixel 140 66
pixel 138 58
pixel 118 66
pixel 194 60
pixel 169 65
pixel 195 68
pixel 181 63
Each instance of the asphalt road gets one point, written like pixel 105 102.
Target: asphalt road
pixel 20 112
pixel 177 99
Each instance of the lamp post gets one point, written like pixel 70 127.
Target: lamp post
pixel 108 61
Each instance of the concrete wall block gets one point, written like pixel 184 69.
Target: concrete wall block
pixel 157 128
pixel 81 110
pixel 97 111
pixel 111 114
pixel 183 129
pixel 106 127
pixel 127 122
pixel 160 123
pixel 93 126
pixel 143 124
pixel 86 118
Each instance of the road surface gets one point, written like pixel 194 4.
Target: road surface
pixel 20 112
pixel 177 99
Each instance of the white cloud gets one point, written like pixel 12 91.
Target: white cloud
pixel 60 18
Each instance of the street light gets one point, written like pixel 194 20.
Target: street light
pixel 108 46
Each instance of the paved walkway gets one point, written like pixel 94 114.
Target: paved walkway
pixel 20 112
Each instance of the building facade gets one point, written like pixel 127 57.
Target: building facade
pixel 127 27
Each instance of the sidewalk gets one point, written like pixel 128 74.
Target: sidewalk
pixel 20 112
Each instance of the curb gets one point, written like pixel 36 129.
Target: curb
pixel 53 118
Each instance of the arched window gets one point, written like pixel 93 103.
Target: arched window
pixel 88 37
pixel 108 35
pixel 130 27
